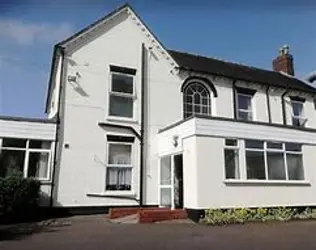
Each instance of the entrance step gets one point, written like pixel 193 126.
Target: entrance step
pixel 156 215
pixel 146 215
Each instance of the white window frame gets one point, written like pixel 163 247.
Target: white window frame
pixel 121 94
pixel 209 104
pixel 119 165
pixel 245 110
pixel 235 148
pixel 265 151
pixel 302 118
pixel 29 150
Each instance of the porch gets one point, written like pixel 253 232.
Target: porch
pixel 228 163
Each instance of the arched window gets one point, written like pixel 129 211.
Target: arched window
pixel 196 99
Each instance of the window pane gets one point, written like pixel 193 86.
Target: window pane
pixel 293 147
pixel 295 166
pixel 231 142
pixel 205 101
pixel 13 142
pixel 188 99
pixel 10 161
pixel 275 145
pixel 244 102
pixel 196 109
pixel 244 115
pixel 197 99
pixel 298 122
pixel 276 168
pixel 120 154
pixel 255 165
pixel 254 144
pixel 165 171
pixel 38 165
pixel 39 144
pixel 205 110
pixel 231 164
pixel 121 106
pixel 122 83
pixel 297 108
pixel 118 178
pixel 165 197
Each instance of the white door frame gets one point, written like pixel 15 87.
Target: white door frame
pixel 172 178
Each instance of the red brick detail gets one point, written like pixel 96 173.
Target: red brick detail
pixel 122 212
pixel 154 215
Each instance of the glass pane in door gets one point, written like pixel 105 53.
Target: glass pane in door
pixel 165 197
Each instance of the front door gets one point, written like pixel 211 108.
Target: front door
pixel 178 181
pixel 171 181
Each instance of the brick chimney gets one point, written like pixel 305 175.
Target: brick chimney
pixel 284 62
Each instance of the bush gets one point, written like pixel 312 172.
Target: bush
pixel 18 195
pixel 241 215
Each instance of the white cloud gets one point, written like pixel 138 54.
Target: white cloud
pixel 27 33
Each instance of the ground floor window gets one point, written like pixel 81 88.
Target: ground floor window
pixel 31 157
pixel 119 164
pixel 273 160
pixel 263 160
pixel 231 152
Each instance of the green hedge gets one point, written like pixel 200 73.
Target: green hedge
pixel 18 195
pixel 242 215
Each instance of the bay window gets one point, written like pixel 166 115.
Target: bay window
pixel 119 164
pixel 31 157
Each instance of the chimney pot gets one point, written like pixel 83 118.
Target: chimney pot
pixel 284 62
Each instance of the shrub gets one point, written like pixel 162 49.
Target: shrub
pixel 241 215
pixel 18 195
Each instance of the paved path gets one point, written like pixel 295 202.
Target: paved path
pixel 97 233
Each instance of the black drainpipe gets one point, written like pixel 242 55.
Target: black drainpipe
pixel 142 127
pixel 268 103
pixel 61 49
pixel 283 107
pixel 234 99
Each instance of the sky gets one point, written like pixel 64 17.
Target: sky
pixel 244 31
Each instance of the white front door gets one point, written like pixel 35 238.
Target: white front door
pixel 165 181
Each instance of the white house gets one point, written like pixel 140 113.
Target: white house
pixel 137 124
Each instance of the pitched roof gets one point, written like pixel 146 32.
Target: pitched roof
pixel 236 71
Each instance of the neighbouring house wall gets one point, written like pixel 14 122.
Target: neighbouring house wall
pixel 36 130
pixel 213 192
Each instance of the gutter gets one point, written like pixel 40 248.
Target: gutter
pixel 142 128
pixel 61 50
pixel 283 107
pixel 234 99
pixel 268 103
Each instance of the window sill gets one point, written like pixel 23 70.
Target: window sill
pixel 267 182
pixel 115 194
pixel 121 119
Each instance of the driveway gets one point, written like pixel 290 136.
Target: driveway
pixel 95 232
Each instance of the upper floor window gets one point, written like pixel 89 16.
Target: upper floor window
pixel 244 104
pixel 244 107
pixel 197 100
pixel 298 116
pixel 122 92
